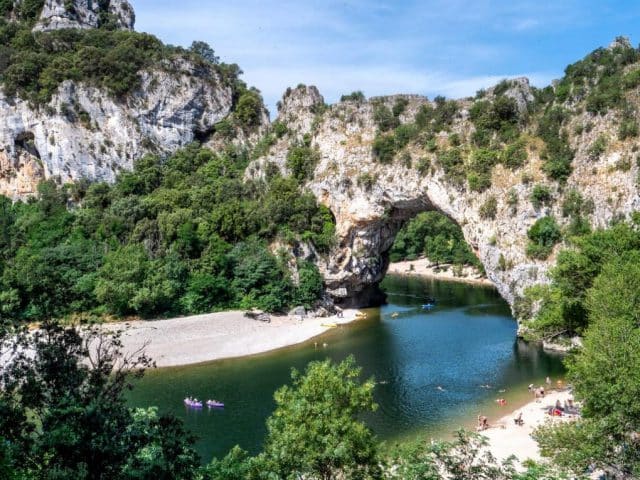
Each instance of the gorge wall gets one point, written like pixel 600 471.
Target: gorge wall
pixel 372 200
pixel 373 179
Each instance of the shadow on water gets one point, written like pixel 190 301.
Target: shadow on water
pixel 466 341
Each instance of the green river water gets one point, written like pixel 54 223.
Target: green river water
pixel 462 345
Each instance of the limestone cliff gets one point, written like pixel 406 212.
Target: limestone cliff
pixel 371 200
pixel 58 14
pixel 376 168
pixel 85 131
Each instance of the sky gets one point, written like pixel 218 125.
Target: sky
pixel 383 47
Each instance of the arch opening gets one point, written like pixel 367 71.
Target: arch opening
pixel 367 247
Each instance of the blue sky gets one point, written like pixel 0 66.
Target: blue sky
pixel 448 47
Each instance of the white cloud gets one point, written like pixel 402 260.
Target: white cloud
pixel 378 46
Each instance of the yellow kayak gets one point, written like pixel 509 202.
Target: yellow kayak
pixel 329 325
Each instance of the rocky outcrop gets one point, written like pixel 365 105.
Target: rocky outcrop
pixel 85 133
pixel 371 201
pixel 59 14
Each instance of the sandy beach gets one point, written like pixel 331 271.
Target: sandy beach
pixel 506 438
pixel 423 267
pixel 214 336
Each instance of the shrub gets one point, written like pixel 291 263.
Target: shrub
pixel 302 160
pixel 489 208
pixel 400 106
pixel 423 166
pixel 543 235
pixel 403 134
pixel 249 109
pixel 557 155
pixel 279 129
pixel 453 165
pixel 514 155
pixel 367 180
pixel 480 167
pixel 384 118
pixel 541 195
pixel 598 147
pixel 384 148
pixel 356 96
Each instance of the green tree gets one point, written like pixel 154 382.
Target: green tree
pixel 64 414
pixel 315 431
pixel 605 378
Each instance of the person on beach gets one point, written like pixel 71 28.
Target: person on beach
pixel 518 420
pixel 483 423
pixel 548 382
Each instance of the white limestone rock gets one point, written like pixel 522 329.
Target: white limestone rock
pixel 371 201
pixel 83 14
pixel 85 133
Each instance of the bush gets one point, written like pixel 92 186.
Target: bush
pixel 480 167
pixel 541 195
pixel 543 236
pixel 489 208
pixel 356 96
pixel 557 155
pixel 514 155
pixel 384 118
pixel 301 161
pixel 453 165
pixel 384 148
pixel 249 109
pixel 598 147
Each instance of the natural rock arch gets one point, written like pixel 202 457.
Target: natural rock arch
pixel 370 199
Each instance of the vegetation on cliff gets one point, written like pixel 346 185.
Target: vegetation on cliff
pixel 604 372
pixel 511 121
pixel 560 309
pixel 34 64
pixel 183 235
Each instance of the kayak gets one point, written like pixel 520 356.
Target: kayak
pixel 214 404
pixel 192 403
pixel 329 325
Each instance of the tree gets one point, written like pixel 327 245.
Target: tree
pixel 543 235
pixel 605 378
pixel 64 414
pixel 315 432
pixel 205 51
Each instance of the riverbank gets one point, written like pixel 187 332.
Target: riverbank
pixel 222 335
pixel 506 438
pixel 423 267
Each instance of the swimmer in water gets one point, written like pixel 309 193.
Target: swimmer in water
pixel 440 388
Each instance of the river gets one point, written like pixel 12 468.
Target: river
pixel 466 345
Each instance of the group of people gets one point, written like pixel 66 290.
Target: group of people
pixel 538 392
pixel 565 408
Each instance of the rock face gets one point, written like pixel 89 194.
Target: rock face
pixel 58 14
pixel 84 133
pixel 371 201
